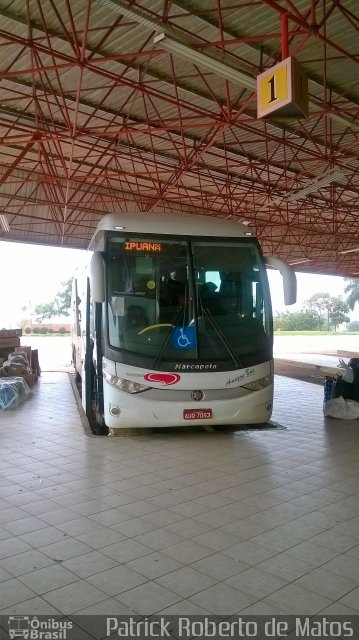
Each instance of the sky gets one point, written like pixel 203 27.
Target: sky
pixel 307 285
pixel 33 274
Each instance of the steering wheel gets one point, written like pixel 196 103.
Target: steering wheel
pixel 154 326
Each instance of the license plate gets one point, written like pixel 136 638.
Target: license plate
pixel 197 414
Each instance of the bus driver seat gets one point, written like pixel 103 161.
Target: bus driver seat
pixel 135 318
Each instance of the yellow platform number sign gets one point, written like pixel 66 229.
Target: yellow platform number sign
pixel 282 90
pixel 274 87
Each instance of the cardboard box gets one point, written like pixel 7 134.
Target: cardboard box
pixel 9 343
pixel 10 333
pixel 18 372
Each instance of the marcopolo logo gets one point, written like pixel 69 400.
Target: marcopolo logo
pixel 191 366
pixel 31 628
pixel 162 378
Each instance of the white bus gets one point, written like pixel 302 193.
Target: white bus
pixel 173 323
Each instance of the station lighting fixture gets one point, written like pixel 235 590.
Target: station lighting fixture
pixel 300 261
pixel 245 222
pixel 132 14
pixel 208 62
pixel 317 183
pixel 4 223
pixel 349 250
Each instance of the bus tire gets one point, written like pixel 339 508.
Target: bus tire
pixel 259 425
pixel 100 425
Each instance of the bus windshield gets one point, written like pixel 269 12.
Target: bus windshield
pixel 171 300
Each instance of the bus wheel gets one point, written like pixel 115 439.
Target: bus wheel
pixel 100 426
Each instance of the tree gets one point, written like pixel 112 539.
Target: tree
pixel 353 326
pixel 318 304
pixel 329 311
pixel 45 311
pixel 352 289
pixel 60 306
pixel 338 312
pixel 297 321
pixel 63 299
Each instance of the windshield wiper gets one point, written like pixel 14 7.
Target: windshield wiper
pixel 166 340
pixel 208 315
pixel 218 330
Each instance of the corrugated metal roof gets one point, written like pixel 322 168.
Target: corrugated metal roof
pixel 121 123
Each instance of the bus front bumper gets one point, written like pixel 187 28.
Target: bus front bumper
pixel 124 410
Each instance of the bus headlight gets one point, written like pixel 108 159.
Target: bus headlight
pixel 123 384
pixel 257 385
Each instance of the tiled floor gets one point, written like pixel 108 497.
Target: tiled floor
pixel 178 522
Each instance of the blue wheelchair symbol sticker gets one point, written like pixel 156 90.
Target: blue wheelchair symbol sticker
pixel 184 338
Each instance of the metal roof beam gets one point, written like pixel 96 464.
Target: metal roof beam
pixel 160 77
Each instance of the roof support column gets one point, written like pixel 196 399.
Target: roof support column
pixel 285 42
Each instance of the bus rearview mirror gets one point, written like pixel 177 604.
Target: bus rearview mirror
pixel 289 278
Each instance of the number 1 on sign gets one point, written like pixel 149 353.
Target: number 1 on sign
pixel 271 83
